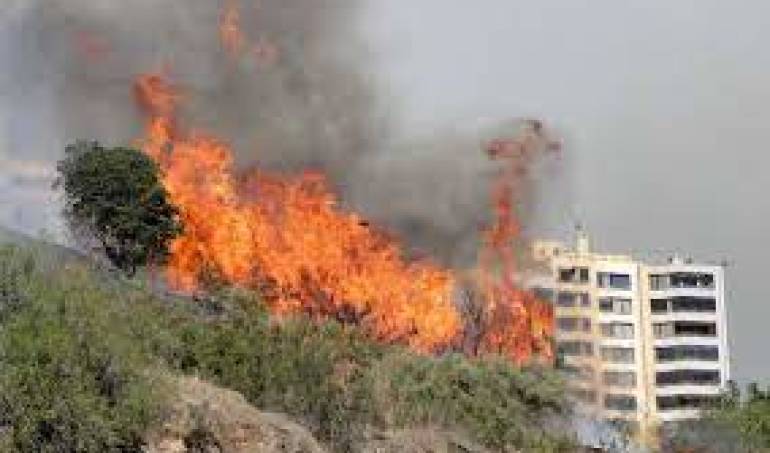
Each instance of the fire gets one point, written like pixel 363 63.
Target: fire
pixel 286 236
pixel 235 41
pixel 517 324
pixel 230 34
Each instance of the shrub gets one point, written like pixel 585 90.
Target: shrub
pixel 99 345
pixel 487 399
pixel 16 270
pixel 70 380
pixel 339 383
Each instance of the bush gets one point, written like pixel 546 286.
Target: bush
pixel 16 270
pixel 98 346
pixel 488 399
pixel 340 384
pixel 70 380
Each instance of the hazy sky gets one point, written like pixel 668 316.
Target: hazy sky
pixel 663 106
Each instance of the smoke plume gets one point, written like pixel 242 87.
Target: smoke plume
pixel 297 95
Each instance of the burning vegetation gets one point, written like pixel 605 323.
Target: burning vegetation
pixel 286 236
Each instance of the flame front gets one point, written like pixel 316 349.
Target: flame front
pixel 285 236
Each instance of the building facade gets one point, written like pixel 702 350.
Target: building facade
pixel 642 344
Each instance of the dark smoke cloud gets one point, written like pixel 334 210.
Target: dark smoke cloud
pixel 314 106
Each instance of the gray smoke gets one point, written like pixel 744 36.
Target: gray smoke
pixel 312 105
pixel 315 105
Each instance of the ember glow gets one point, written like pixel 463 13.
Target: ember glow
pixel 286 236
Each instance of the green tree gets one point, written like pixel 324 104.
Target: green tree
pixel 749 415
pixel 115 201
pixel 739 422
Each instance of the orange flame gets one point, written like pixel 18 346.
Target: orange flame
pixel 233 39
pixel 517 325
pixel 286 236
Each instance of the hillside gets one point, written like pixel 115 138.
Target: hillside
pixel 9 236
pixel 124 361
pixel 47 249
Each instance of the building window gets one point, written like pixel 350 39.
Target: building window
pixel 695 329
pixel 684 329
pixel 663 329
pixel 618 330
pixel 569 299
pixel 684 304
pixel 620 402
pixel 693 304
pixel 572 324
pixel 566 299
pixel 658 282
pixel 614 281
pixel 566 324
pixel 691 280
pixel 659 305
pixel 582 373
pixel 573 275
pixel 687 352
pixel 575 348
pixel 619 378
pixel 617 354
pixel 687 377
pixel 618 306
pixel 602 279
pixel 567 275
pixel 686 402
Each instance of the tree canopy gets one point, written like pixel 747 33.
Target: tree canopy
pixel 749 414
pixel 115 201
pixel 739 422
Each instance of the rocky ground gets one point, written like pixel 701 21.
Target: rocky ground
pixel 208 419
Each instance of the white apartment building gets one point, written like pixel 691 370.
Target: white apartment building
pixel 642 343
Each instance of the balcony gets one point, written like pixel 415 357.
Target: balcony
pixel 685 329
pixel 572 299
pixel 682 353
pixel 619 379
pixel 688 377
pixel 575 275
pixel 618 355
pixel 683 304
pixel 610 280
pixel 682 280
